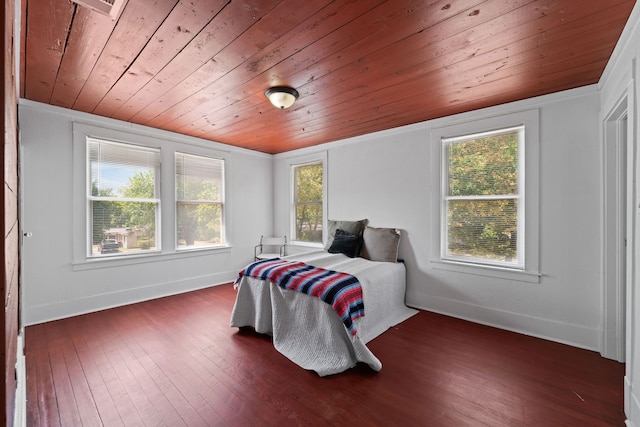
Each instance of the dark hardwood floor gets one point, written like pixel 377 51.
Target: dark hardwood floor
pixel 175 361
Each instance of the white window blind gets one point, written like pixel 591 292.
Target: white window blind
pixel 123 197
pixel 199 201
pixel 483 198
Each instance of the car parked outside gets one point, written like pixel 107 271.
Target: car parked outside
pixel 108 245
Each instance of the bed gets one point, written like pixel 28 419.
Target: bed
pixel 307 330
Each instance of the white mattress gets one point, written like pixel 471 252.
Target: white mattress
pixel 308 331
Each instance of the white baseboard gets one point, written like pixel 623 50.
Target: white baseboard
pixel 20 409
pixel 562 332
pixel 631 405
pixel 63 309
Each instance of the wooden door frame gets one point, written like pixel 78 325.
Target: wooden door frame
pixel 9 254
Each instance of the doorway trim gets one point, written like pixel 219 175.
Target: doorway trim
pixel 617 214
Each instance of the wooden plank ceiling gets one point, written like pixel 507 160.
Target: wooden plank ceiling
pixel 200 67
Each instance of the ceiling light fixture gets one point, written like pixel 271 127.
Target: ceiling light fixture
pixel 281 96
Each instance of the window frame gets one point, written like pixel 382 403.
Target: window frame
pixel 529 167
pixel 519 196
pixel 167 225
pixel 220 203
pixel 320 158
pixel 157 201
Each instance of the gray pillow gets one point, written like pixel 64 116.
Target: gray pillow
pixel 380 244
pixel 351 227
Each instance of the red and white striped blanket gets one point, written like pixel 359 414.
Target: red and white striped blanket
pixel 340 290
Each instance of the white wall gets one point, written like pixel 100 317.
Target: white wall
pixel 620 79
pixel 54 286
pixel 386 178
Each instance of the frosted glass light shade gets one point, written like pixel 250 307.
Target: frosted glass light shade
pixel 282 97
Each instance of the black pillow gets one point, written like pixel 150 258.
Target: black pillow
pixel 345 243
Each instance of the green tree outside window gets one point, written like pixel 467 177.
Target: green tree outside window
pixel 308 202
pixel 482 198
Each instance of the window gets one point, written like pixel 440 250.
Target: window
pixel 199 201
pixel 142 198
pixel 308 210
pixel 483 198
pixel 123 196
pixel 485 209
